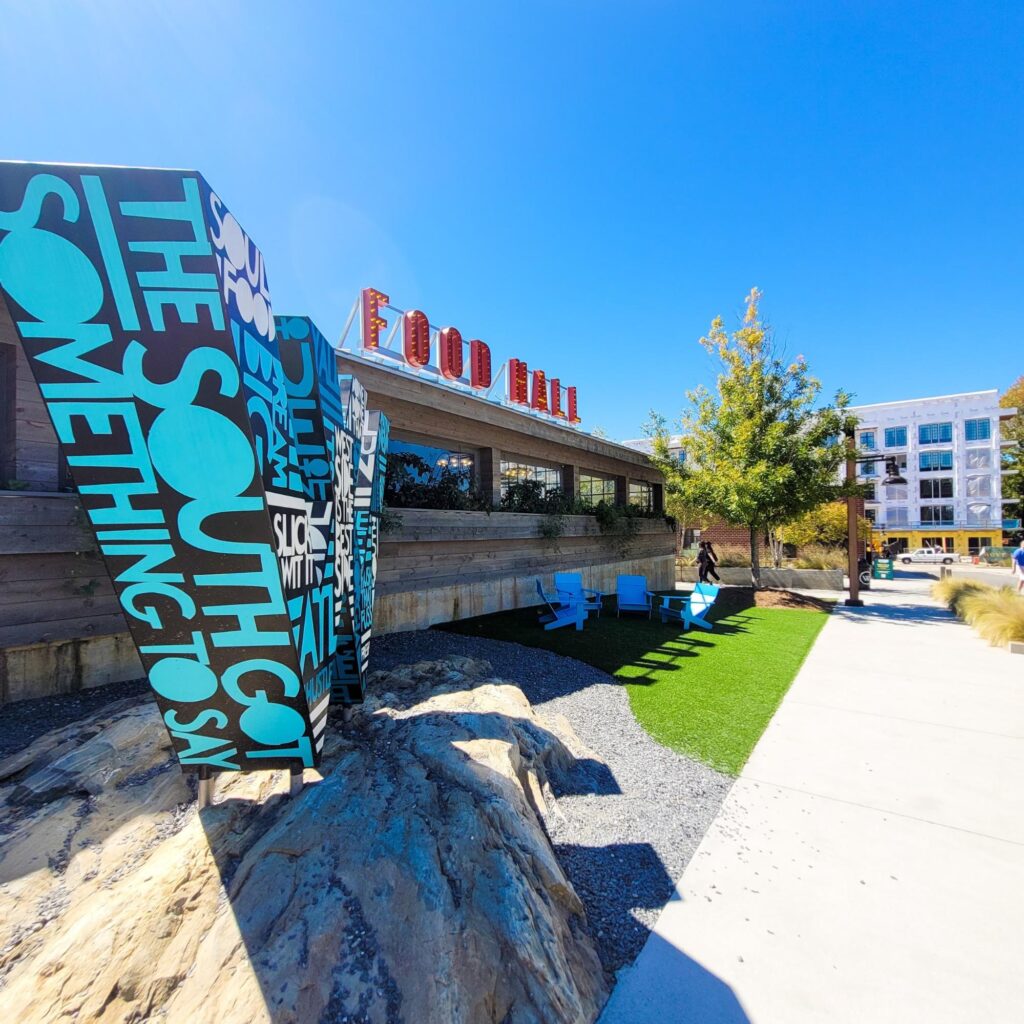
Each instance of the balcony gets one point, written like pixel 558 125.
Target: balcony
pixel 956 524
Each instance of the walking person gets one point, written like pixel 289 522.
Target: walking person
pixel 706 560
pixel 1018 566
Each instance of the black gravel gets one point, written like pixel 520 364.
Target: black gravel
pixel 24 721
pixel 631 819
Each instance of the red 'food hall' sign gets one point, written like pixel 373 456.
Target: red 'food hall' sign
pixel 524 386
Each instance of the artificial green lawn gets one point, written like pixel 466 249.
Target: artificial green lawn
pixel 708 695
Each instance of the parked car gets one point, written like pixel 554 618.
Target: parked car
pixel 927 555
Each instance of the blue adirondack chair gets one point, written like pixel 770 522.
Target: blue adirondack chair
pixel 693 607
pixel 555 613
pixel 632 595
pixel 571 591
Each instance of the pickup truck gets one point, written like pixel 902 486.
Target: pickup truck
pixel 927 555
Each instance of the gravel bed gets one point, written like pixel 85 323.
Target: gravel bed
pixel 632 820
pixel 24 721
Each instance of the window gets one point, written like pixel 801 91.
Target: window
pixel 979 458
pixel 978 430
pixel 641 494
pixel 594 488
pixel 896 517
pixel 936 462
pixel 896 492
pixel 935 515
pixel 979 513
pixel 975 544
pixel 869 492
pixel 426 463
pixel 869 514
pixel 867 440
pixel 895 437
pixel 979 487
pixel 942 487
pixel 941 543
pixel 514 471
pixel 869 469
pixel 935 433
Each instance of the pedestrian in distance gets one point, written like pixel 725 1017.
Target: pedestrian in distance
pixel 1018 566
pixel 706 561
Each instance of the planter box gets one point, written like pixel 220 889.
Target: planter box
pixel 783 579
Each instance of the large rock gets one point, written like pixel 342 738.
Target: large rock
pixel 413 881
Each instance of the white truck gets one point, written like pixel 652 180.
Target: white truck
pixel 927 555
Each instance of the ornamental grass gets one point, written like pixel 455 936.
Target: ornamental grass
pixel 997 614
pixel 820 556
pixel 952 590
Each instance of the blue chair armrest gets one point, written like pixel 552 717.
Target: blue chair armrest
pixel 666 598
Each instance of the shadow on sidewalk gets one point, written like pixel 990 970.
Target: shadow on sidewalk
pixel 665 985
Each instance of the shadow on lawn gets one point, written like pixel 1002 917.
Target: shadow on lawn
pixel 612 644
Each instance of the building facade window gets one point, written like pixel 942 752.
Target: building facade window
pixel 896 516
pixel 895 437
pixel 641 494
pixel 595 488
pixel 976 544
pixel 978 430
pixel 870 469
pixel 869 492
pixel 515 471
pixel 935 462
pixel 940 487
pixel 979 513
pixel 935 433
pixel 426 463
pixel 979 458
pixel 897 492
pixel 869 514
pixel 867 440
pixel 937 515
pixel 979 487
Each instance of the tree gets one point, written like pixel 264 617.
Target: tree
pixel 826 524
pixel 1013 457
pixel 676 504
pixel 758 452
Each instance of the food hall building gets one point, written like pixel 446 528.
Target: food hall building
pixel 62 628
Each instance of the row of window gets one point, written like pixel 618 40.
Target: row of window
pixel 929 433
pixel 431 463
pixel 938 462
pixel 978 514
pixel 933 488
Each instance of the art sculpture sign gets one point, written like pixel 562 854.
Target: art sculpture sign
pixel 233 480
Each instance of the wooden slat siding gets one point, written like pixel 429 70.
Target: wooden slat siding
pixel 66 629
pixel 18 508
pixel 34 454
pixel 18 568
pixel 436 411
pixel 59 606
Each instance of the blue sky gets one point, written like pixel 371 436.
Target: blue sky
pixel 585 184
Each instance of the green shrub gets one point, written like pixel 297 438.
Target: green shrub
pixel 998 615
pixel 820 556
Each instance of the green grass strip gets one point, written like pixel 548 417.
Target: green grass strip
pixel 709 695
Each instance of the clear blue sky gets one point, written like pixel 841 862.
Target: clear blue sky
pixel 584 184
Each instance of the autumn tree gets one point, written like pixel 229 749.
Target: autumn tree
pixel 826 524
pixel 759 450
pixel 1013 456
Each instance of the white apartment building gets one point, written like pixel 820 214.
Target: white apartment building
pixel 949 450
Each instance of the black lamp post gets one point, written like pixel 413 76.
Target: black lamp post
pixel 893 478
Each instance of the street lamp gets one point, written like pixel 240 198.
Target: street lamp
pixel 893 478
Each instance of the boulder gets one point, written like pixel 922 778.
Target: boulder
pixel 411 880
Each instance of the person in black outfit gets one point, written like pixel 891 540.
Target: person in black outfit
pixel 706 560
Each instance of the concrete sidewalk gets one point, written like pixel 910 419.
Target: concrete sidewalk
pixel 868 864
